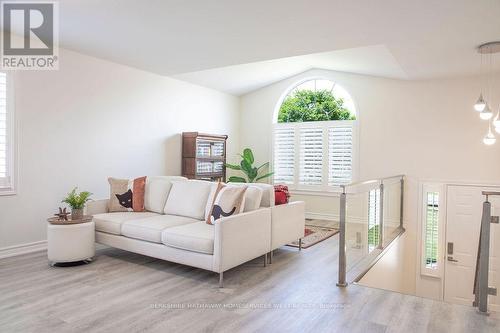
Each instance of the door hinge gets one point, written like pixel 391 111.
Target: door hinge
pixel 492 291
pixel 495 219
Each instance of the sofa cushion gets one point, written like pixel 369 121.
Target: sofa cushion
pixel 150 228
pixel 188 198
pixel 267 194
pixel 214 187
pixel 112 222
pixel 253 198
pixel 157 189
pixel 267 199
pixel 196 237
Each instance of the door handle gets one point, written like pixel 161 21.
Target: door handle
pixel 450 258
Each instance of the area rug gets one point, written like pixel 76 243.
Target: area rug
pixel 314 235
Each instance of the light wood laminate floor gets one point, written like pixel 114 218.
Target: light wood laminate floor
pixel 125 292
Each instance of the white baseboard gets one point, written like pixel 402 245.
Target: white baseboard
pixel 322 216
pixel 336 218
pixel 16 250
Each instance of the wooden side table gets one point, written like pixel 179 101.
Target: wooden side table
pixel 70 241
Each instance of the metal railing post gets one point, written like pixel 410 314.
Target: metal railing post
pixel 342 256
pixel 381 218
pixel 401 205
pixel 484 258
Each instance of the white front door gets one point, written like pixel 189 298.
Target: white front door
pixel 463 221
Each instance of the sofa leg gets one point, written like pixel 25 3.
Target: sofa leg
pixel 300 244
pixel 221 280
pixel 270 257
pixel 265 260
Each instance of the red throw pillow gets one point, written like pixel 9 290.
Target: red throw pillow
pixel 281 194
pixel 280 198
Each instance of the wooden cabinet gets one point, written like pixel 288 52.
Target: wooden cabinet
pixel 204 156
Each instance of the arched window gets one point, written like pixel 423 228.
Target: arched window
pixel 314 136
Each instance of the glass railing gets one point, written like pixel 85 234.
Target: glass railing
pixel 370 219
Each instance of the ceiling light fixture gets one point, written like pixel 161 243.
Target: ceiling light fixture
pixel 485 100
pixel 486 113
pixel 480 104
pixel 496 121
pixel 489 139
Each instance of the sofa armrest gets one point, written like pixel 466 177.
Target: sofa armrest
pixel 287 223
pixel 241 238
pixel 96 207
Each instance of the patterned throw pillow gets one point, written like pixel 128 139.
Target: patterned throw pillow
pixel 227 201
pixel 126 195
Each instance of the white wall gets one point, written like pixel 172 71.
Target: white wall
pixel 92 119
pixel 424 129
pixel 387 272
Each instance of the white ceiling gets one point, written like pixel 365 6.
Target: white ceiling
pixel 241 79
pixel 394 38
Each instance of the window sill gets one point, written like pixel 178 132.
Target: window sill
pixel 433 275
pixel 5 191
pixel 318 193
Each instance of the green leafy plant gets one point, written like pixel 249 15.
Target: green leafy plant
pixel 309 105
pixel 77 200
pixel 246 166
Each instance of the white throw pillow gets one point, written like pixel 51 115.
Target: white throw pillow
pixel 213 191
pixel 157 189
pixel 253 197
pixel 267 193
pixel 188 198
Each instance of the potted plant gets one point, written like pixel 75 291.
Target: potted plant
pixel 77 202
pixel 247 167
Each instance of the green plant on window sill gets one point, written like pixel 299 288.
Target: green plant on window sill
pixel 246 166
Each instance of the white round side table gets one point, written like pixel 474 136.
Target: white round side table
pixel 70 242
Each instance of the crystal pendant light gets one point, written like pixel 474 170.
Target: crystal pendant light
pixel 480 104
pixel 486 114
pixel 489 139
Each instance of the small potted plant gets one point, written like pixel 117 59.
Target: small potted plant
pixel 77 202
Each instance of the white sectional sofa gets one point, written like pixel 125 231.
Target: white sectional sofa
pixel 173 226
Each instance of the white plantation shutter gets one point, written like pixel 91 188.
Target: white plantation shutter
pixel 311 156
pixel 431 220
pixel 314 155
pixel 373 218
pixel 284 155
pixel 340 155
pixel 3 130
pixel 6 137
pixel 432 229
